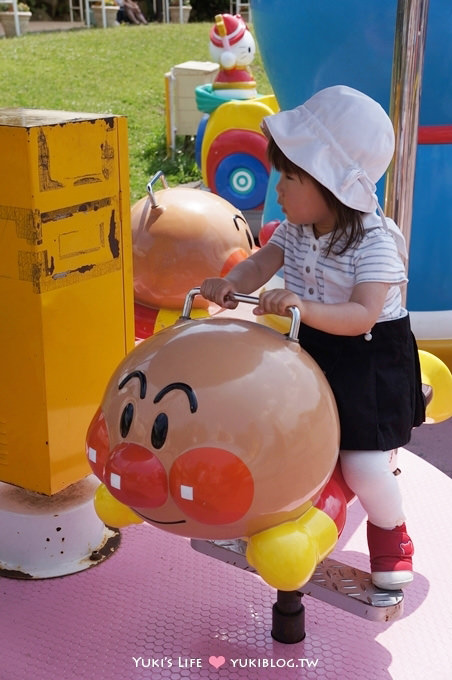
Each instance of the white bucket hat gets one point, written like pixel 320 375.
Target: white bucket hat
pixel 342 138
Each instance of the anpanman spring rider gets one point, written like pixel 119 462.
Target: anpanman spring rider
pixel 222 428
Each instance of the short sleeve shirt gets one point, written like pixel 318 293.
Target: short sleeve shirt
pixel 313 275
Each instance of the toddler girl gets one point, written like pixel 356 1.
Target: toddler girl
pixel 344 266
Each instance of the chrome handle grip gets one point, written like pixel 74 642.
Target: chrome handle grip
pixel 150 186
pixel 250 299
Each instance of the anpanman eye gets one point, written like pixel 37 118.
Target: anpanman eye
pixel 126 420
pixel 159 431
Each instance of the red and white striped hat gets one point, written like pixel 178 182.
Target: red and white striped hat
pixel 228 30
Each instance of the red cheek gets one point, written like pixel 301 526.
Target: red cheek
pixel 237 256
pixel 211 486
pixel 136 477
pixel 97 444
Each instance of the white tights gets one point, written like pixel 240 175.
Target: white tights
pixel 369 474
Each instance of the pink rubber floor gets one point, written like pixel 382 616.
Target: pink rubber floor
pixel 157 606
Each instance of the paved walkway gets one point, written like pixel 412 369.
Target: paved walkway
pixel 45 26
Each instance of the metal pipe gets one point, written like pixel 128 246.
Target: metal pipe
pixel 407 68
pixel 16 18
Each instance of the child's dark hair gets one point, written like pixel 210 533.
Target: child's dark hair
pixel 348 220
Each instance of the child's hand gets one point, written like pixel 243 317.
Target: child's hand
pixel 220 291
pixel 277 301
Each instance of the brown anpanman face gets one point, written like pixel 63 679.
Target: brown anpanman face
pixel 190 235
pixel 216 428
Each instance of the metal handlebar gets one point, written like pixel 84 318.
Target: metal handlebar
pixel 250 299
pixel 150 186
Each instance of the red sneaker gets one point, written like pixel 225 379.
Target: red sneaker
pixel 391 552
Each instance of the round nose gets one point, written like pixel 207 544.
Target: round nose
pixel 97 444
pixel 136 477
pixel 211 485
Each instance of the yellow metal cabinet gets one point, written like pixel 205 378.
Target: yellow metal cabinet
pixel 66 290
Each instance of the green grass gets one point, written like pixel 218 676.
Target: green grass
pixel 118 70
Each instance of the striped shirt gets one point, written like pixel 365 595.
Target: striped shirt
pixel 312 275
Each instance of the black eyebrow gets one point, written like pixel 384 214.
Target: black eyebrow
pixel 179 386
pixel 236 218
pixel 141 377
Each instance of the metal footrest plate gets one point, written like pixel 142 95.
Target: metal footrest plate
pixel 337 584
